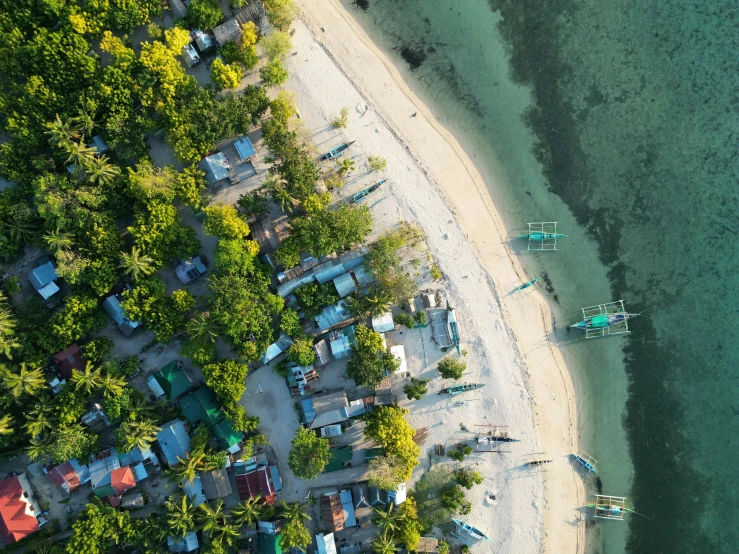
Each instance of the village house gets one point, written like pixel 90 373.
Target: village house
pixel 19 510
pixel 69 476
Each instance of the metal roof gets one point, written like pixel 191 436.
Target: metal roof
pixel 100 469
pixel 194 489
pixel 203 40
pixel 225 434
pixel 188 544
pixel 201 405
pixel 244 148
pixel 216 167
pixel 383 323
pixel 216 483
pixel 42 275
pixel 354 259
pixel 277 348
pixel 173 380
pixel 326 543
pixel 328 270
pixel 347 504
pixel 323 352
pixel 99 144
pixel 173 441
pixel 332 316
pixel 399 352
pixel 132 500
pixel 364 275
pixel 345 285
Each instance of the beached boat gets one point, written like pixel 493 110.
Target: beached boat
pixel 362 194
pixel 586 462
pixel 604 319
pixel 542 235
pixel 337 151
pixel 459 389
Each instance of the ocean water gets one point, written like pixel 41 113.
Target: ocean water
pixel 619 120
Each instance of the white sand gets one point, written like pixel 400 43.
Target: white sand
pixel 433 182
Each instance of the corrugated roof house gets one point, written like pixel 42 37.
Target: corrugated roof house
pixel 132 501
pixel 194 489
pixel 201 405
pixel 113 308
pixel 187 544
pixel 383 323
pixel 364 275
pixel 216 483
pixel 341 341
pixel 42 278
pixel 174 442
pixel 230 31
pixel 191 269
pixel 107 477
pixel 69 475
pixel 329 270
pixel 256 483
pixel 268 543
pixel 277 348
pixel 288 287
pixel 68 360
pixel 333 315
pixel 263 232
pixel 227 438
pixel 216 167
pixel 142 461
pixel 17 519
pixel 204 41
pixel 98 143
pixel 326 543
pixel 323 352
pixel 333 514
pixel 244 148
pixel 171 380
pixel 345 285
pixel 190 55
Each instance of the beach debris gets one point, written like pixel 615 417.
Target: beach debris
pixel 605 319
pixel 542 236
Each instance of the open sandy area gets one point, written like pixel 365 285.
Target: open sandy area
pixel 430 180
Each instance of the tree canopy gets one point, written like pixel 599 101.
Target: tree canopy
pixel 309 454
pixel 387 426
pixel 369 362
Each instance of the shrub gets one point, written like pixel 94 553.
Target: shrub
pixel 467 478
pixel 280 12
pixel 420 317
pixel 459 454
pixel 232 53
pixel 204 14
pixel 404 319
pixel 301 352
pixel 416 389
pixel 449 368
pixel 290 323
pixel 225 75
pixel 376 163
pixel 342 121
pixel 309 454
pixel 277 45
pixel 273 73
pixel 313 297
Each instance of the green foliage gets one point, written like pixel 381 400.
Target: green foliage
pixel 99 528
pixel 386 472
pixel 409 528
pixel 204 14
pixel 449 368
pixel 249 34
pixel 467 478
pixel 435 272
pixel 420 317
pixel 454 499
pixel 96 349
pixel 301 352
pixel 237 256
pixel 404 319
pixel 277 45
pixel 239 420
pixel 416 388
pixel 290 323
pixel 164 315
pixel 232 53
pixel 254 201
pixel 288 254
pixel 118 407
pixel 160 235
pixel 443 547
pixel 342 120
pixel 225 222
pixel 126 15
pixel 136 432
pixel 225 75
pixel 309 454
pixel 387 426
pixel 283 108
pixel 273 73
pixel 68 442
pixel 313 297
pixel 227 379
pixel 459 454
pixel 281 12
pixel 369 361
pixel 327 231
pixel 78 317
pixel 200 352
pixel 376 163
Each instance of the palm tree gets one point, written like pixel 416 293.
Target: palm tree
pixel 224 534
pixel 58 240
pixel 135 264
pixel 61 132
pixel 281 194
pixel 189 466
pixel 99 171
pixel 210 518
pixel 294 511
pixel 388 520
pixel 153 533
pixel 7 325
pixel 247 512
pixel 20 227
pixel 6 425
pixel 384 544
pixel 36 450
pixel 37 423
pixel 83 122
pixel 355 305
pixel 180 517
pixel 112 386
pixel 203 327
pixel 139 407
pixel 28 381
pixel 378 302
pixel 79 154
pixel 89 379
pixel 138 433
pixel 345 166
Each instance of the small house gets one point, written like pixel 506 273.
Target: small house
pixel 189 543
pixel 333 514
pixel 18 509
pixel 230 31
pixel 190 55
pixel 376 497
pixel 268 543
pixel 428 300
pixel 338 459
pixel 299 378
pixel 201 405
pixel 178 9
pixel 216 167
pixel 132 501
pixel 331 430
pixel 399 352
pixel 263 232
pixel 345 285
pixel 95 419
pixel 341 341
pixel 244 149
pixel 397 496
pixel 191 269
pixel 323 352
pixel 227 438
pixel 68 360
pixel 277 348
pixel 326 543
pixel 203 40
pixel 174 442
pixel 258 482
pixel 194 489
pixel 98 143
pixel 324 409
pixel 107 476
pixel 383 323
pixel 69 476
pixel 216 483
pixel 43 280
pixel 112 306
pixel 333 315
pixel 142 461
pixel 170 382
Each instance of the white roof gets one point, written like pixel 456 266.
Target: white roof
pixel 154 386
pixel 331 430
pixel 383 323
pixel 399 352
pixel 326 543
pixel 398 496
pixel 49 290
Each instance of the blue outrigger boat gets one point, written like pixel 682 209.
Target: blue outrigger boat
pixel 542 235
pixel 362 194
pixel 586 461
pixel 337 151
pixel 604 319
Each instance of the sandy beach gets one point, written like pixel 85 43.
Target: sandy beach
pixel 434 183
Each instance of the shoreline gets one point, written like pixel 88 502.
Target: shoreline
pixel 445 164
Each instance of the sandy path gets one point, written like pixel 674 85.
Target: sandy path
pixel 443 190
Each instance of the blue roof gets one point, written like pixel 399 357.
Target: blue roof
pixel 43 275
pixel 174 441
pixel 332 315
pixel 244 148
pixel 215 167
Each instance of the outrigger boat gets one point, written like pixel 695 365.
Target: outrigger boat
pixel 604 319
pixel 459 389
pixel 535 463
pixel 610 507
pixel 369 191
pixel 586 461
pixel 337 151
pixel 542 235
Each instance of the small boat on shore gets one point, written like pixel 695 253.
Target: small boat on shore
pixel 362 194
pixel 586 461
pixel 336 151
pixel 459 389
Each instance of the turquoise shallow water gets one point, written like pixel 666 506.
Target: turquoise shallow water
pixel 620 121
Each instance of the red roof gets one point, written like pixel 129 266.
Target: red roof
pixel 333 513
pixel 15 522
pixel 256 483
pixel 113 500
pixel 64 474
pixel 69 359
pixel 122 479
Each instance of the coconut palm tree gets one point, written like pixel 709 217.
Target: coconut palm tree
pixel 99 171
pixel 355 305
pixel 79 154
pixel 388 520
pixel 202 327
pixel 7 325
pixel 189 466
pixel 20 227
pixel 112 386
pixel 378 302
pixel 294 511
pixel 282 195
pixel 224 535
pixel 180 516
pixel 345 166
pixel 28 381
pixel 136 264
pixel 61 132
pixel 83 122
pixel 36 449
pixel 37 424
pixel 384 544
pixel 58 240
pixel 137 433
pixel 139 407
pixel 89 379
pixel 209 518
pixel 6 425
pixel 153 533
pixel 247 512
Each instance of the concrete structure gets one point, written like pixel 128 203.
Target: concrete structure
pixel 397 496
pixel 43 280
pixel 427 545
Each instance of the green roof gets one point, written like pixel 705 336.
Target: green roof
pixel 225 434
pixel 173 380
pixel 269 544
pixel 201 405
pixel 372 453
pixel 338 457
